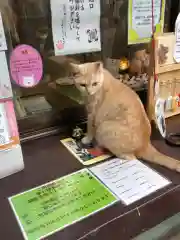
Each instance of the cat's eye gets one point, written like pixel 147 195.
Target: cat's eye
pixel 83 85
pixel 95 84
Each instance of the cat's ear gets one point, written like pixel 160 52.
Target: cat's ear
pixel 75 68
pixel 99 66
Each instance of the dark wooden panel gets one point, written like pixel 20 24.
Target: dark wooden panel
pixel 46 159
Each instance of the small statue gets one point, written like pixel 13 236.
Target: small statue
pixel 139 64
pixel 77 133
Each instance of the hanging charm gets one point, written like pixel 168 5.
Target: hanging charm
pixel 156 88
pixel 160 116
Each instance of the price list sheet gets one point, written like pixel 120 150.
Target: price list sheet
pixel 129 180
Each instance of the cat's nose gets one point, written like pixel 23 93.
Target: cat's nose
pixel 88 90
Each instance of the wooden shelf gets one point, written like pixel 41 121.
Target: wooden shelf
pixel 168 68
pixel 172 113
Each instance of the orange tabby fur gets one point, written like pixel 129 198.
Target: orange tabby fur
pixel 116 116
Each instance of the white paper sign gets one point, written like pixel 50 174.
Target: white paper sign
pixel 5 83
pixel 29 81
pixel 4 129
pixel 130 180
pixel 177 43
pixel 3 45
pixel 75 26
pixel 142 16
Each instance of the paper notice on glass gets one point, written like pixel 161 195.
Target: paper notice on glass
pixel 9 136
pixel 75 26
pixel 4 128
pixel 140 19
pixel 177 43
pixel 5 83
pixel 3 45
pixel 129 180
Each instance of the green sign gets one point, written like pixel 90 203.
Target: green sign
pixel 140 23
pixel 51 207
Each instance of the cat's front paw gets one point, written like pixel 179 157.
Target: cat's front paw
pixel 86 140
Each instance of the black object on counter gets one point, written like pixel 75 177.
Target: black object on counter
pixel 173 139
pixel 77 133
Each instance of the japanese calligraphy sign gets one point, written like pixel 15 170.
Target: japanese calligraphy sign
pixel 49 208
pixel 76 26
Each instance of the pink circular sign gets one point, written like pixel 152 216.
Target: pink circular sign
pixel 26 66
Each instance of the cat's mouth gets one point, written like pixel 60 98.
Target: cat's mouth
pixel 91 93
pixel 88 94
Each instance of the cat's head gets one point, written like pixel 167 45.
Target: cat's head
pixel 88 77
pixel 141 55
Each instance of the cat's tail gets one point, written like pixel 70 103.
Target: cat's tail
pixel 152 155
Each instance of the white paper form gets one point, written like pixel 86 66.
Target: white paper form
pixel 4 128
pixel 75 26
pixel 5 83
pixel 3 45
pixel 129 180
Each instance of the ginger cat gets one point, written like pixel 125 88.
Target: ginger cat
pixel 116 116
